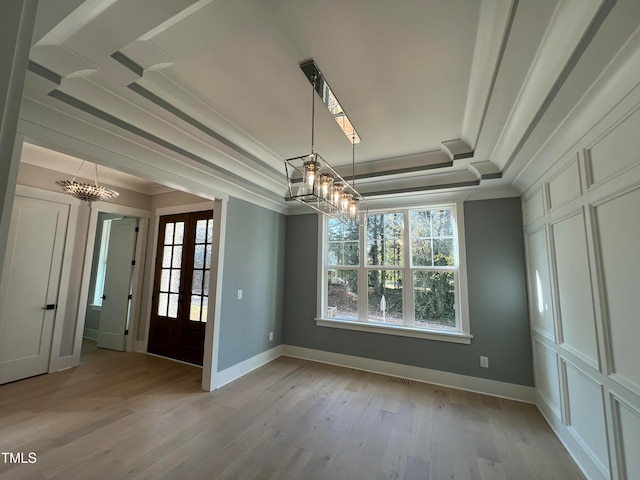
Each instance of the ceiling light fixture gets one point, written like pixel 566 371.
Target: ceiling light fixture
pixel 86 191
pixel 321 86
pixel 312 180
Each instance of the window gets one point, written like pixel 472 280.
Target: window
pixel 402 272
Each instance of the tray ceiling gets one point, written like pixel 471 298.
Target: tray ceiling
pixel 444 94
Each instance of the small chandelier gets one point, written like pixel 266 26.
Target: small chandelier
pixel 312 180
pixel 86 191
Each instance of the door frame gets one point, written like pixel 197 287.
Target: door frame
pixel 56 361
pixel 138 276
pixel 212 329
pixel 143 345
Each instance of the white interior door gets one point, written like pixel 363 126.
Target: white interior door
pixel 117 284
pixel 29 286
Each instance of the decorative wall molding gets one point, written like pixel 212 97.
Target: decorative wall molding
pixel 584 461
pixel 594 208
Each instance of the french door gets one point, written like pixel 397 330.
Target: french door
pixel 181 286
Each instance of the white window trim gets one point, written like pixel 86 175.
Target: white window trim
pixel 463 336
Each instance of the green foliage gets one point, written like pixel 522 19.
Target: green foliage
pixel 432 245
pixel 435 298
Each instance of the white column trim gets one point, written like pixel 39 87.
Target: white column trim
pixel 211 378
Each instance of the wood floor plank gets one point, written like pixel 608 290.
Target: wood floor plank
pixel 128 415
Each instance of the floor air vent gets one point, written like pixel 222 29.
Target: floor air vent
pixel 401 381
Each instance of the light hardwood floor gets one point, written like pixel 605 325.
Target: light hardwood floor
pixel 128 415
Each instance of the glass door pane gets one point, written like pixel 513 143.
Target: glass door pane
pixel 170 274
pixel 201 267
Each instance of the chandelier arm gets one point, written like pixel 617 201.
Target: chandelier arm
pixel 96 175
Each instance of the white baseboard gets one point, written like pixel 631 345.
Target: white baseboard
pixel 494 388
pixel 232 373
pixel 63 363
pixel 90 334
pixel 583 459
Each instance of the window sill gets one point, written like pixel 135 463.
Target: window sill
pixel 95 308
pixel 453 337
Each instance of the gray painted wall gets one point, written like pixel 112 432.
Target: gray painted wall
pixel 254 260
pixel 497 301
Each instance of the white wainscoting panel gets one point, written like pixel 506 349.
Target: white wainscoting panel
pixel 540 304
pixel 618 231
pixel 615 151
pixel 575 313
pixel 565 186
pixel 533 207
pixel 547 379
pixel 588 234
pixel 629 427
pixel 586 419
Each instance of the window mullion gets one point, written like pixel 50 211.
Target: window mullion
pixel 324 255
pixel 362 274
pixel 407 287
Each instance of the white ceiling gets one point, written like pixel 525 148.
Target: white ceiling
pixel 445 94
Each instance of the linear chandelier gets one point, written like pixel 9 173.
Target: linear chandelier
pixel 312 180
pixel 87 191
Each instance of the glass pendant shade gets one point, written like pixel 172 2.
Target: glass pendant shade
pixel 336 194
pixel 353 207
pixel 326 183
pixel 311 175
pixel 346 201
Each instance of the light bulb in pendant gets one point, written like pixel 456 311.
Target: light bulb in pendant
pixel 353 207
pixel 346 200
pixel 326 182
pixel 336 194
pixel 311 168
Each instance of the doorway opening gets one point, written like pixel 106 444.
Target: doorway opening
pixel 108 315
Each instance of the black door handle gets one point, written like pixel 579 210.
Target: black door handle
pixel 50 306
pixel 103 297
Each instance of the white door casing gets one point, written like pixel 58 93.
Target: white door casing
pixel 117 284
pixel 30 281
